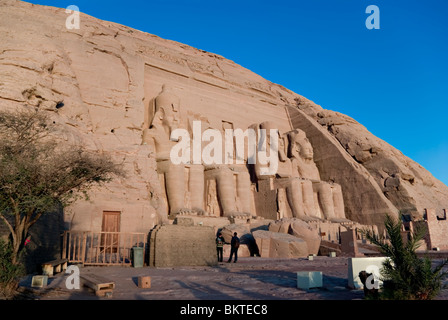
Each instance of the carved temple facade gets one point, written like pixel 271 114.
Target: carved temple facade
pixel 294 190
pixel 332 173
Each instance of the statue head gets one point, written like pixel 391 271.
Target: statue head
pixel 268 126
pixel 299 145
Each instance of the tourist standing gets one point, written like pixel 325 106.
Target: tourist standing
pixel 234 245
pixel 219 246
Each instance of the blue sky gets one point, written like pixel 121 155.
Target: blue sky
pixel 393 80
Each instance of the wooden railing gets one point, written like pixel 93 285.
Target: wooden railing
pixel 101 248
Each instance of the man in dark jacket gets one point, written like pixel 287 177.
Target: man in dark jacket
pixel 234 245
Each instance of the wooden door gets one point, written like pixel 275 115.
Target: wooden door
pixel 111 223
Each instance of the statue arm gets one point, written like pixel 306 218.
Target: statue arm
pixel 149 136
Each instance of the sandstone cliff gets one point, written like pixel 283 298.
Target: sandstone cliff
pixel 106 75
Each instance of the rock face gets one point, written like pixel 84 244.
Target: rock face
pixel 405 183
pixel 124 92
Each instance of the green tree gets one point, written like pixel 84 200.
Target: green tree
pixel 38 174
pixel 405 275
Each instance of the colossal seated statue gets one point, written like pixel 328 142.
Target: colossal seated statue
pixel 178 180
pixel 329 203
pixel 228 186
pixel 192 188
pixel 307 196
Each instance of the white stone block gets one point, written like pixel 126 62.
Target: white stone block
pixel 309 279
pixel 332 254
pixel 370 265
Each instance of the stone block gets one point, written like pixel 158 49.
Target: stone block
pixel 39 281
pixel 349 244
pixel 259 223
pixel 144 282
pixel 281 245
pixel 242 230
pixel 263 241
pixel 239 220
pixel 356 265
pixel 245 236
pixel 306 232
pixel 309 279
pixel 176 245
pixel 243 251
pixel 280 225
pixel 332 254
pixel 215 222
pixel 184 221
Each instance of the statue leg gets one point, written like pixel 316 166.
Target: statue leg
pixel 196 187
pixel 295 199
pixel 226 191
pixel 175 187
pixel 243 191
pixel 325 197
pixel 308 199
pixel 338 201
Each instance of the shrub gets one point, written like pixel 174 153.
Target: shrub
pixel 9 272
